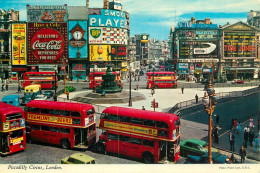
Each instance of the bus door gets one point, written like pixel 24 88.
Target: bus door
pixel 112 144
pixel 124 142
pixel 80 135
pixel 134 147
pixel 4 142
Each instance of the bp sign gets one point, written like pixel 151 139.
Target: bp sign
pixel 95 33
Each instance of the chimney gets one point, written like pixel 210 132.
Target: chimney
pixel 207 21
pixel 193 20
pixel 87 3
pixel 106 4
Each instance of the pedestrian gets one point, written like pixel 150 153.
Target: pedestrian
pixel 137 86
pixel 197 98
pixel 19 87
pixel 152 91
pixel 256 143
pixel 251 136
pixel 6 86
pixel 143 108
pixel 182 89
pixel 239 128
pixel 216 134
pixel 233 159
pixel 242 153
pixel 251 123
pixel 217 119
pixel 232 123
pixel 231 141
pixel 68 95
pixel 55 97
pixel 3 89
pixel 235 126
pixel 246 130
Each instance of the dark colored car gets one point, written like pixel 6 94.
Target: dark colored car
pixel 49 94
pixel 216 158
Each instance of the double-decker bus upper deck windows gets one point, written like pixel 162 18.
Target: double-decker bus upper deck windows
pixel 90 112
pixel 104 116
pixel 76 121
pixel 125 119
pixel 45 128
pixel 65 113
pixel 124 138
pixel 26 109
pixel 35 127
pixel 10 117
pixel 137 121
pixel 136 141
pixel 113 117
pixel 54 129
pixel 176 123
pixel 162 133
pixel 92 128
pixel 160 124
pixel 148 143
pixel 55 112
pixel 112 136
pixel 35 110
pixel 45 111
pixel 150 123
pixel 75 114
pixel 65 130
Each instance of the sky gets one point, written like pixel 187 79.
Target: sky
pixel 156 17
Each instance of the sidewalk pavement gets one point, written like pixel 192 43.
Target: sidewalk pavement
pixel 167 98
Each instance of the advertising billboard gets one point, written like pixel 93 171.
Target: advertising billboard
pixel 183 66
pixel 78 71
pixel 102 35
pixel 78 39
pixel 19 44
pixel 189 24
pixel 186 34
pixel 198 49
pixel 47 43
pixel 239 44
pixel 53 13
pixel 108 18
pixel 207 34
pixel 118 53
pixel 99 53
pixel 144 38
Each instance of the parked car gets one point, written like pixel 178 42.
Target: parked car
pixel 40 97
pixel 237 81
pixel 78 158
pixel 70 89
pixel 12 100
pixel 49 94
pixel 216 158
pixel 195 147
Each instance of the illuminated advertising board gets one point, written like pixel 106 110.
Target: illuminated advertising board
pixel 198 49
pixel 144 38
pixel 19 44
pixel 99 53
pixel 239 44
pixel 78 39
pixel 118 53
pixel 207 34
pixel 55 13
pixel 102 35
pixel 108 18
pixel 189 24
pixel 78 71
pixel 47 43
pixel 186 34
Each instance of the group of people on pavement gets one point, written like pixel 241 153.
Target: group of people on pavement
pixel 5 84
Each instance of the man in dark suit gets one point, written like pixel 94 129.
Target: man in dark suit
pixel 231 141
pixel 242 153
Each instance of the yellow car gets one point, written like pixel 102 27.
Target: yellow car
pixel 78 158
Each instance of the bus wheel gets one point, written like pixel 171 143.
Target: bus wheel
pixel 100 148
pixel 148 157
pixel 65 143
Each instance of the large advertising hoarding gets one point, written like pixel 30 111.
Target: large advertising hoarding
pixel 198 49
pixel 99 53
pixel 19 44
pixel 101 35
pixel 206 34
pixel 186 34
pixel 118 53
pixel 109 18
pixel 78 71
pixel 55 13
pixel 239 44
pixel 47 43
pixel 78 39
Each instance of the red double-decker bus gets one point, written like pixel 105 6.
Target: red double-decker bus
pixel 70 125
pixel 45 79
pixel 12 129
pixel 161 80
pixel 147 135
pixel 98 79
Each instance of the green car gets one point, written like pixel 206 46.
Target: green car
pixel 78 158
pixel 195 147
pixel 70 89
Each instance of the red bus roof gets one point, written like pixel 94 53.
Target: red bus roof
pixel 161 72
pixel 143 114
pixel 8 109
pixel 41 72
pixel 103 72
pixel 79 107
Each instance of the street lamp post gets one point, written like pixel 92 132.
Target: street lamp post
pixel 153 77
pixel 130 77
pixel 94 78
pixel 209 102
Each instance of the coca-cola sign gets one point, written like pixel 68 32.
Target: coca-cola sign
pixel 47 45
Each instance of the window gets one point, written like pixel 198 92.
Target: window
pixel 136 141
pixel 35 110
pixel 76 121
pixel 125 119
pixel 162 133
pixel 16 133
pixel 45 111
pixel 137 121
pixel 150 123
pixel 65 130
pixel 91 119
pixel 65 113
pixel 93 162
pixel 189 144
pixel 45 128
pixel 113 117
pixel 35 127
pixel 112 136
pixel 177 123
pixel 55 112
pixel 92 128
pixel 10 117
pixel 75 114
pixel 26 109
pixel 124 138
pixel 55 129
pixel 148 143
pixel 160 124
pixel 104 116
pixel 70 160
pixel 90 112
